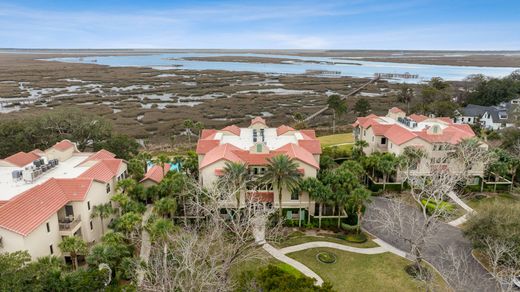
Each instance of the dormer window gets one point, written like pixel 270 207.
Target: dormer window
pixel 259 148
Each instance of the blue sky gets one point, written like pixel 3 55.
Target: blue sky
pixel 305 24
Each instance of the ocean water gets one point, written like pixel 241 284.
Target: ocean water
pixel 345 67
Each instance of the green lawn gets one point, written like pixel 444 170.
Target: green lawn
pixel 360 272
pixel 331 140
pixel 328 238
pixel 482 203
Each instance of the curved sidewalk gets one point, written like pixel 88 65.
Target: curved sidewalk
pixel 280 254
pixel 277 254
pixel 317 244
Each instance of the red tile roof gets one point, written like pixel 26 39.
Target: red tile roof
pixel 204 146
pixel 3 203
pixel 38 152
pixel 63 145
pixel 232 129
pixel 452 133
pixel 221 152
pixel 313 146
pixel 100 155
pixel 25 212
pixel 283 129
pixel 231 153
pixel 206 133
pixel 417 118
pixel 21 158
pixel 155 173
pixel 104 170
pixel 311 134
pixel 258 120
pixel 297 152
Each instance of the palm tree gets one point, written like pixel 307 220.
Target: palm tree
pixel 411 158
pixel 315 188
pixel 338 106
pixel 188 124
pixel 387 165
pixel 126 185
pixel 237 174
pixel 102 211
pixel 405 95
pixel 198 126
pixel 323 197
pixel 358 198
pixel 359 145
pixel 159 231
pixel 122 200
pixel 144 157
pixel 166 207
pixel 75 246
pixel 282 172
pixel 129 224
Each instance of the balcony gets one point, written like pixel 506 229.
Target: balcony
pixel 69 225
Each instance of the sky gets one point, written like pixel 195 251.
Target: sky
pixel 268 24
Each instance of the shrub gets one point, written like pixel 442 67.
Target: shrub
pixel 348 227
pixel 326 257
pixel 356 238
pixel 274 278
pixel 431 206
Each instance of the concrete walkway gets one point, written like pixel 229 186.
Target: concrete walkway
pixel 144 253
pixel 277 254
pixel 317 244
pixel 462 219
pixel 459 202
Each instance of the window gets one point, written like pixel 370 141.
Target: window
pixel 258 147
pixel 91 225
pixel 69 211
pixel 48 227
pixel 88 205
pixel 295 195
pixel 383 141
pixel 51 249
pixel 108 188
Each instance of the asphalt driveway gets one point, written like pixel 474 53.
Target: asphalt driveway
pixel 470 276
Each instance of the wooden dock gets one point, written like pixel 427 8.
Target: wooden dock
pixel 376 78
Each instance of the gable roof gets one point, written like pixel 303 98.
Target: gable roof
pixel 204 146
pixel 258 120
pixel 155 173
pixel 21 158
pixel 25 212
pixel 63 145
pixel 297 152
pixel 396 110
pixel 100 155
pixel 232 129
pixel 104 170
pixel 418 118
pixel 283 129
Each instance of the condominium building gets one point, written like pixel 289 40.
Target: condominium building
pixel 396 131
pixel 253 146
pixel 48 195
